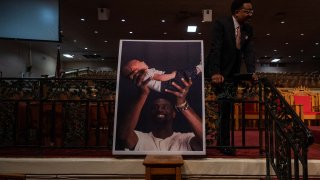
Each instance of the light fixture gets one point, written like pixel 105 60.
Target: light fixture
pixel 275 60
pixel 192 29
pixel 68 56
pixel 207 15
pixel 103 14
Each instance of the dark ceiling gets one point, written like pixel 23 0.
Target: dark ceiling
pixel 286 29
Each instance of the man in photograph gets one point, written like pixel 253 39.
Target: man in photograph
pixel 162 137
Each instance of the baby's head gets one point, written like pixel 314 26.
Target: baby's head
pixel 133 65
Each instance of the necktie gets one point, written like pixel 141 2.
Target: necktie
pixel 238 37
pixel 243 68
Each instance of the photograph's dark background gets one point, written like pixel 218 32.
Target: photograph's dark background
pixel 162 55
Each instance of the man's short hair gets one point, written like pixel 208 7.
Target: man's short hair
pixel 238 4
pixel 169 97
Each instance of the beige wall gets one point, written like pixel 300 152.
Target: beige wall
pixel 15 57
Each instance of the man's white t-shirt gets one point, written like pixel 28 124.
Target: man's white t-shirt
pixel 176 142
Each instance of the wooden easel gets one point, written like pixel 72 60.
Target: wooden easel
pixel 163 165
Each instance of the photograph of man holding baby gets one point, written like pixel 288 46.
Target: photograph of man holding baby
pixel 160 98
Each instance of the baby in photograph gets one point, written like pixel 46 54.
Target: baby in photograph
pixel 160 80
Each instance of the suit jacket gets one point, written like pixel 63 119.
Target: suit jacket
pixel 224 57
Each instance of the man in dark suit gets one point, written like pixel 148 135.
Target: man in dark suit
pixel 231 46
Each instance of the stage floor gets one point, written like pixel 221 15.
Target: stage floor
pixel 92 164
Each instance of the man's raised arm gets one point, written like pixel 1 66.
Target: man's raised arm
pixel 192 117
pixel 131 119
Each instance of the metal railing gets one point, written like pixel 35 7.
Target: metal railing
pixel 49 112
pixel 287 138
pixel 78 113
pixel 245 109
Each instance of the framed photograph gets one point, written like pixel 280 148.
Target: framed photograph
pixel 154 76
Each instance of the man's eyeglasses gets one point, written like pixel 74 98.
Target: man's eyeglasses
pixel 248 11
